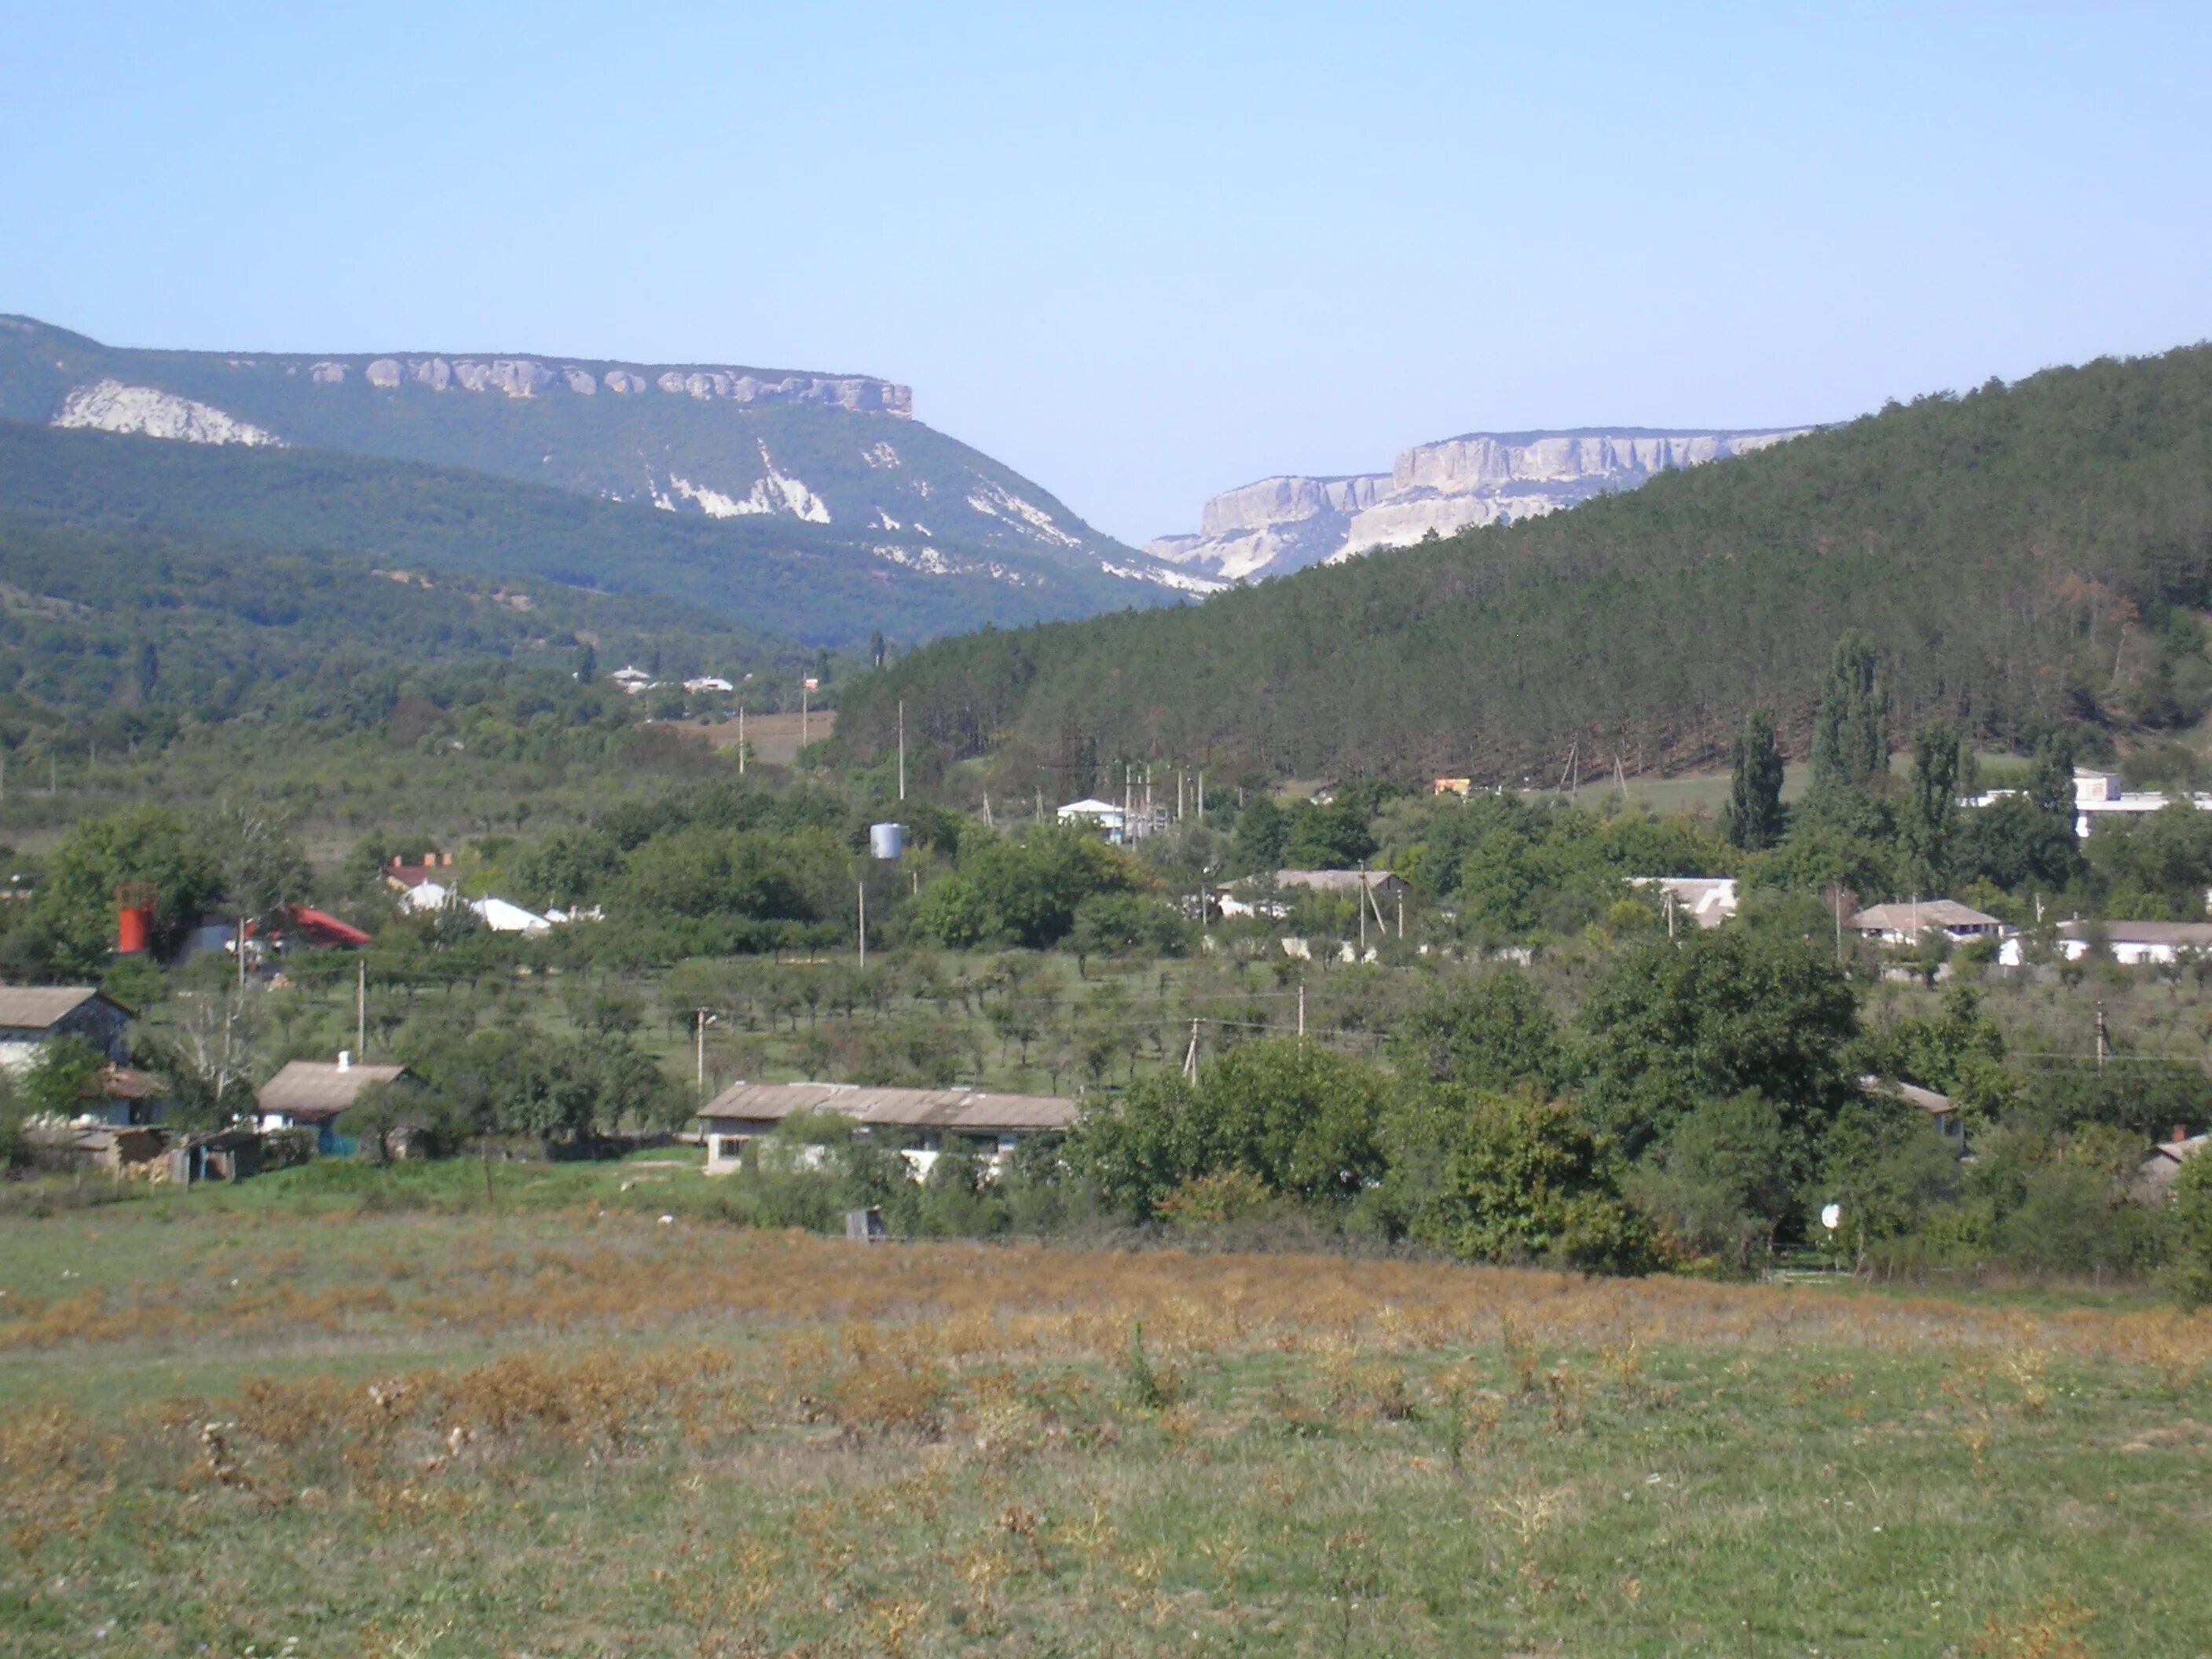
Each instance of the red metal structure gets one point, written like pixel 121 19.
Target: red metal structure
pixel 134 917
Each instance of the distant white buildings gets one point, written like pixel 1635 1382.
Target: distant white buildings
pixel 2133 943
pixel 1709 901
pixel 495 913
pixel 1101 815
pixel 1909 922
pixel 2099 796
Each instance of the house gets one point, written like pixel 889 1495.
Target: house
pixel 633 679
pixel 2133 943
pixel 2153 1182
pixel 743 1111
pixel 708 683
pixel 312 1094
pixel 1245 896
pixel 32 1015
pixel 1709 901
pixel 1099 814
pixel 1905 923
pixel 1942 1110
pixel 2097 795
pixel 304 926
pixel 401 875
pixel 495 913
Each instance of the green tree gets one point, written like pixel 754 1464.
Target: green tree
pixel 1722 1183
pixel 1262 837
pixel 1719 1013
pixel 2191 1272
pixel 1301 1118
pixel 1753 816
pixel 1927 824
pixel 1850 732
pixel 1493 1031
pixel 1511 1177
pixel 64 1077
pixel 953 912
pixel 74 913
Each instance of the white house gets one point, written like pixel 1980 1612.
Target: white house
pixel 495 913
pixel 32 1015
pixel 1709 901
pixel 1905 923
pixel 2134 944
pixel 633 679
pixel 1102 814
pixel 745 1111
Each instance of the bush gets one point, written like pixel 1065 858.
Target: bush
pixel 2189 1220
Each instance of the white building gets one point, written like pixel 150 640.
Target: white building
pixel 708 683
pixel 1709 901
pixel 1104 814
pixel 495 913
pixel 633 679
pixel 2134 944
pixel 1905 923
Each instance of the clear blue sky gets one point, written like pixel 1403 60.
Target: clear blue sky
pixel 1140 253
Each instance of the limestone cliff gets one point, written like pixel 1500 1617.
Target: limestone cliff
pixel 1285 524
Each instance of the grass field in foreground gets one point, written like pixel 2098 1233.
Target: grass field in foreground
pixel 233 1429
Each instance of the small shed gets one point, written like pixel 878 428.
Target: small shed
pixel 223 1155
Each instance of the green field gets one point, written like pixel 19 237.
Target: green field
pixel 308 1416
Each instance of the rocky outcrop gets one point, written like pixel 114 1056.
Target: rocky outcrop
pixel 520 377
pixel 1284 524
pixel 112 406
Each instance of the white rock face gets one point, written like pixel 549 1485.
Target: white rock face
pixel 776 492
pixel 1285 524
pixel 517 377
pixel 112 406
pixel 328 374
pixel 580 382
pixel 622 382
pixel 383 373
pixel 1034 521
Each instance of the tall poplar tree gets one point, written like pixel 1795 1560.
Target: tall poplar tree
pixel 1754 819
pixel 1851 733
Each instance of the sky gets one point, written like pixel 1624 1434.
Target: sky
pixel 1141 254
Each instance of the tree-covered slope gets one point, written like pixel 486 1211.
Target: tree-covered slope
pixel 2025 554
pixel 98 624
pixel 808 581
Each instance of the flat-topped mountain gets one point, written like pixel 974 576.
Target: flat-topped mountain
pixel 1285 524
pixel 767 447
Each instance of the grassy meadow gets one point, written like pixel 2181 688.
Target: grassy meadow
pixel 316 1415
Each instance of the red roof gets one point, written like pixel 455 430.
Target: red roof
pixel 317 926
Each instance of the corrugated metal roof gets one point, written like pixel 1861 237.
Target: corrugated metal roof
pixel 2194 934
pixel 1927 913
pixel 34 1007
pixel 313 1088
pixel 967 1111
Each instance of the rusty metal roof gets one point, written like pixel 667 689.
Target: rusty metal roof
pixel 966 1111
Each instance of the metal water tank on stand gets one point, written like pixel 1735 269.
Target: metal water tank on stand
pixel 886 841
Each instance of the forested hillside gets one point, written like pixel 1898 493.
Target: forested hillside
pixel 2025 555
pixel 816 582
pixel 107 627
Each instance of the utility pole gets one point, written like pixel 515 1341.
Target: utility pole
pixel 806 690
pixel 864 924
pixel 699 1046
pixel 741 739
pixel 1401 915
pixel 361 1011
pixel 1302 1010
pixel 1190 1054
pixel 1201 794
pixel 242 953
pixel 1363 909
pixel 901 748
pixel 2101 1036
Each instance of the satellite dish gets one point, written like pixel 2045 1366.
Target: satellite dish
pixel 1833 1216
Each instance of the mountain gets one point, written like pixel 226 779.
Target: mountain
pixel 1285 524
pixel 806 582
pixel 2026 557
pixel 98 627
pixel 828 463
